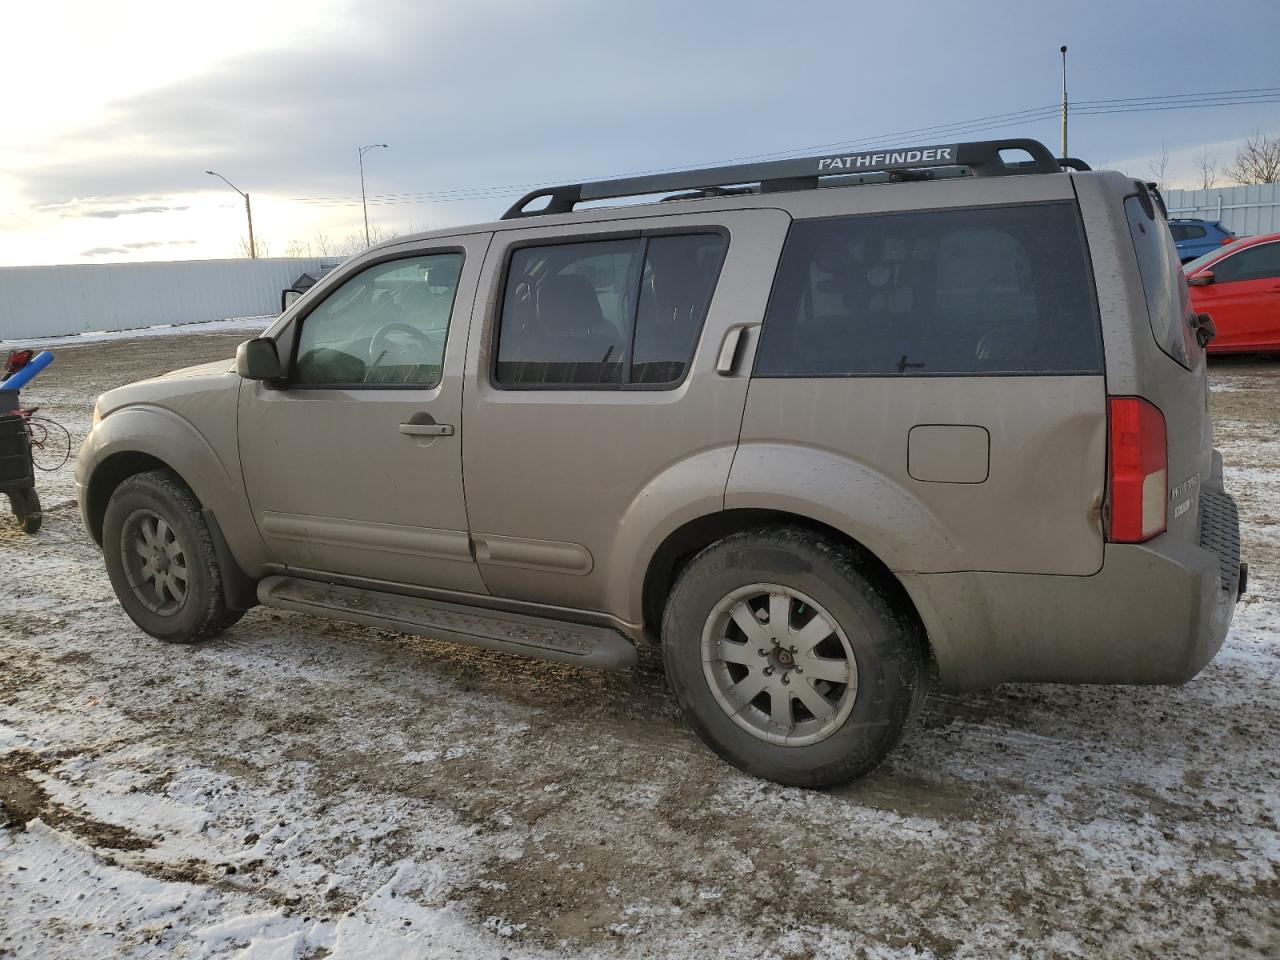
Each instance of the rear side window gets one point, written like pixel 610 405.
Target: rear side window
pixel 1163 282
pixel 1003 290
pixel 1252 263
pixel 1179 232
pixel 1193 232
pixel 614 313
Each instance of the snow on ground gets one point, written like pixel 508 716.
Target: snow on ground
pixel 299 789
pixel 236 324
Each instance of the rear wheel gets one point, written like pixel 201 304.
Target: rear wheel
pixel 791 657
pixel 161 561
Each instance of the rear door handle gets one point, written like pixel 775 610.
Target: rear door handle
pixel 727 360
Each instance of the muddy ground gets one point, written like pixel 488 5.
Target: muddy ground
pixel 303 789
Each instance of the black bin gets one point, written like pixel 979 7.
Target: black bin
pixel 15 452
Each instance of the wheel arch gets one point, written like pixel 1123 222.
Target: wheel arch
pixel 680 546
pixel 112 471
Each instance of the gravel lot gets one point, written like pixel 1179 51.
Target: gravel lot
pixel 306 789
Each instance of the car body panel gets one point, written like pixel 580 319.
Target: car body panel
pixel 593 470
pixel 334 483
pixel 1246 313
pixel 186 420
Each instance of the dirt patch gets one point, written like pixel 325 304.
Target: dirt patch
pixel 23 800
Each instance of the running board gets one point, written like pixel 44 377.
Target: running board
pixel 580 644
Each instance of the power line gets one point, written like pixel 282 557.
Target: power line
pixel 1181 101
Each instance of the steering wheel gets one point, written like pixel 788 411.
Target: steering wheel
pixel 380 344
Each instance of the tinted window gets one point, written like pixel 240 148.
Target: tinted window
pixel 1001 290
pixel 1163 283
pixel 386 325
pixel 1179 232
pixel 675 291
pixel 1193 232
pixel 606 313
pixel 1252 263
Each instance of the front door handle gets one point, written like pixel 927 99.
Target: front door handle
pixel 427 429
pixel 424 425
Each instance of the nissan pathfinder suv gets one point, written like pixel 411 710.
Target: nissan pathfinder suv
pixel 823 429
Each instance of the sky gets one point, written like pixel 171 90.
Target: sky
pixel 113 112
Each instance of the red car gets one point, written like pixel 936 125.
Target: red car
pixel 1239 286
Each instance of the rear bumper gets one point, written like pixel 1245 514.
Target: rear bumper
pixel 1155 613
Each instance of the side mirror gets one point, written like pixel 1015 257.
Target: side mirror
pixel 1201 279
pixel 257 359
pixel 288 298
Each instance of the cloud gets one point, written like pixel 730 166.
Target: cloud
pixel 112 213
pixel 148 244
pixel 460 103
pixel 134 247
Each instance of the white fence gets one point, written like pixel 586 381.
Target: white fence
pixel 1246 211
pixel 82 298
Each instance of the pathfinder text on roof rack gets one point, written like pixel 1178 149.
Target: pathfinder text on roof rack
pixel 916 157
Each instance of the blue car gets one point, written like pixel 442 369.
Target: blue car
pixel 1195 238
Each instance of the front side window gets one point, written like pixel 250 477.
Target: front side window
pixel 1252 263
pixel 386 326
pixel 611 313
pixel 1004 290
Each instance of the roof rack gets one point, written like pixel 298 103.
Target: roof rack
pixel 979 159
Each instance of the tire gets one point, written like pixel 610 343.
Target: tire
pixel 26 508
pixel 152 530
pixel 871 661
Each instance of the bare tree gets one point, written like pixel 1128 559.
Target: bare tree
pixel 1160 166
pixel 1207 164
pixel 323 245
pixel 262 245
pixel 354 242
pixel 297 248
pixel 1258 161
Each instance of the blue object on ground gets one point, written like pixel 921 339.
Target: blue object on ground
pixel 29 372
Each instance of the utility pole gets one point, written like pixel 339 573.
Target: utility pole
pixel 364 203
pixel 248 210
pixel 1063 51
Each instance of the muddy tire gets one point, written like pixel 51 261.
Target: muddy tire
pixel 161 560
pixel 792 658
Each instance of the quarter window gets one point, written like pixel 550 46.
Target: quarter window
pixel 1163 282
pixel 385 326
pixel 612 313
pixel 1252 263
pixel 975 291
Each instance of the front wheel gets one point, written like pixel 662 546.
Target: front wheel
pixel 161 560
pixel 791 657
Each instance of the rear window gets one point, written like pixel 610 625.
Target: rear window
pixel 1163 282
pixel 1000 290
pixel 612 313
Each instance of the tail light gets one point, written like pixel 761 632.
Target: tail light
pixel 1138 476
pixel 1229 238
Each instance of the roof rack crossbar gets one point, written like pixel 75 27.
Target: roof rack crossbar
pixel 983 159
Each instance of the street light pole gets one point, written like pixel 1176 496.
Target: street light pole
pixel 1063 51
pixel 248 210
pixel 364 203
